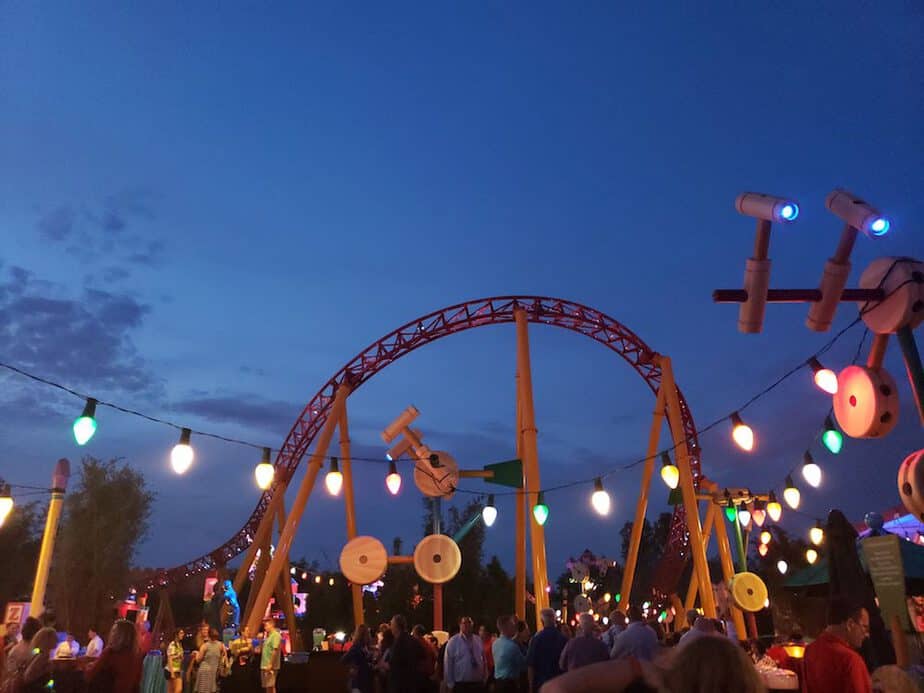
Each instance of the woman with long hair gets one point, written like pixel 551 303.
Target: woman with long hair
pixel 118 669
pixel 173 667
pixel 209 657
pixel 37 672
pixel 359 660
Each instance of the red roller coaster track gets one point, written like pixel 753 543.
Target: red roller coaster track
pixel 442 323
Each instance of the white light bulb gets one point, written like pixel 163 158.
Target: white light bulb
pixel 489 515
pixel 782 566
pixel 600 500
pixel 811 472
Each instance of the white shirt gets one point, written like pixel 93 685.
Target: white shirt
pixel 65 651
pixel 95 647
pixel 464 660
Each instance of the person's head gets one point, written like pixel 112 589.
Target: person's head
pixel 245 631
pixel 507 626
pixel 12 629
pixel 214 634
pixel 122 636
pixel 361 634
pixel 565 630
pixel 483 632
pixel 635 613
pixel 204 629
pixel 713 664
pixel 180 634
pixel 892 679
pixel 692 615
pixel 49 619
pixel 851 620
pixel 466 625
pixel 705 625
pixel 387 639
pixel 618 618
pixel 69 637
pixel 269 624
pixel 30 628
pixel 522 630
pixel 398 625
pixel 92 632
pixel 586 624
pixel 547 618
pixel 45 640
pixel 418 631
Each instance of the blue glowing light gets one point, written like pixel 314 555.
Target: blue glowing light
pixel 880 226
pixel 789 211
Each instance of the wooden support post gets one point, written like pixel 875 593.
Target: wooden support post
pixel 349 498
pixel 641 507
pixel 264 530
pixel 519 591
pixel 728 568
pixel 259 574
pixel 284 590
pixel 700 565
pixel 708 524
pixel 530 459
pixel 298 507
pixel 438 606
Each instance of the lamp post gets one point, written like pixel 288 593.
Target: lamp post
pixel 58 486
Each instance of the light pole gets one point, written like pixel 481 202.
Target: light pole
pixel 58 486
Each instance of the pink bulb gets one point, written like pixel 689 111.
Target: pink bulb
pixel 393 482
pixel 826 380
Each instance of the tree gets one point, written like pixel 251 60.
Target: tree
pixel 20 538
pixel 105 518
pixel 651 548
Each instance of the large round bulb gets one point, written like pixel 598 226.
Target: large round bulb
pixel 334 482
pixel 393 482
pixel 181 457
pixel 489 515
pixel 782 566
pixel 601 502
pixel 765 537
pixel 826 380
pixel 811 472
pixel 671 475
pixel 742 434
pixel 811 555
pixel 264 473
pixel 816 535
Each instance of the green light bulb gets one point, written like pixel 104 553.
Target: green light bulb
pixel 731 514
pixel 85 424
pixel 833 440
pixel 541 510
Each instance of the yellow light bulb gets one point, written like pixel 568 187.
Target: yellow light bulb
pixel 600 500
pixel 742 434
pixel 334 479
pixel 811 555
pixel 817 534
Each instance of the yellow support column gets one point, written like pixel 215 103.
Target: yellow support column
pixel 58 487
pixel 728 570
pixel 700 565
pixel 530 459
pixel 349 499
pixel 284 590
pixel 263 533
pixel 641 508
pixel 707 535
pixel 298 507
pixel 519 591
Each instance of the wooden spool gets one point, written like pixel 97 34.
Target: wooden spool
pixel 363 560
pixel 911 483
pixel 440 481
pixel 581 604
pixel 748 592
pixel 866 403
pixel 437 559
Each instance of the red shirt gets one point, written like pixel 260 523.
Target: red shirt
pixel 778 654
pixel 832 666
pixel 122 669
pixel 488 654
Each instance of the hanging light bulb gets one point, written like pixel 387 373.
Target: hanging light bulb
pixel 393 479
pixel 791 494
pixel 759 514
pixel 811 472
pixel 331 582
pixel 6 502
pixel 181 457
pixel 742 434
pixel 832 439
pixel 265 471
pixel 731 513
pixel 765 537
pixel 744 515
pixel 782 566
pixel 817 534
pixel 669 472
pixel 489 512
pixel 600 498
pixel 85 424
pixel 762 549
pixel 825 378
pixel 811 555
pixel 774 509
pixel 541 510
pixel 334 479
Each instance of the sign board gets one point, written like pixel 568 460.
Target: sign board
pixel 16 612
pixel 884 559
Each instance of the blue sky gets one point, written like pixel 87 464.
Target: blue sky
pixel 206 213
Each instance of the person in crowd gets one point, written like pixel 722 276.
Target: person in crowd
pixel 145 637
pixel 94 643
pixel 20 654
pixel 67 648
pixel 637 640
pixel 118 668
pixel 566 630
pixel 270 656
pixel 38 673
pixel 777 652
pixel 173 663
pixel 12 635
pixel 708 665
pixel 523 636
pixel 759 655
pixel 242 648
pixel 692 615
pixel 617 626
pixel 509 660
pixel 209 657
pixel 487 640
pixel 832 662
pixel 893 679
pixel 358 660
pixel 428 660
pixel 464 665
pixel 544 652
pixel 211 610
pixel 703 627
pixel 584 648
pixel 404 660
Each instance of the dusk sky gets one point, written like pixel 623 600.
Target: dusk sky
pixel 206 212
